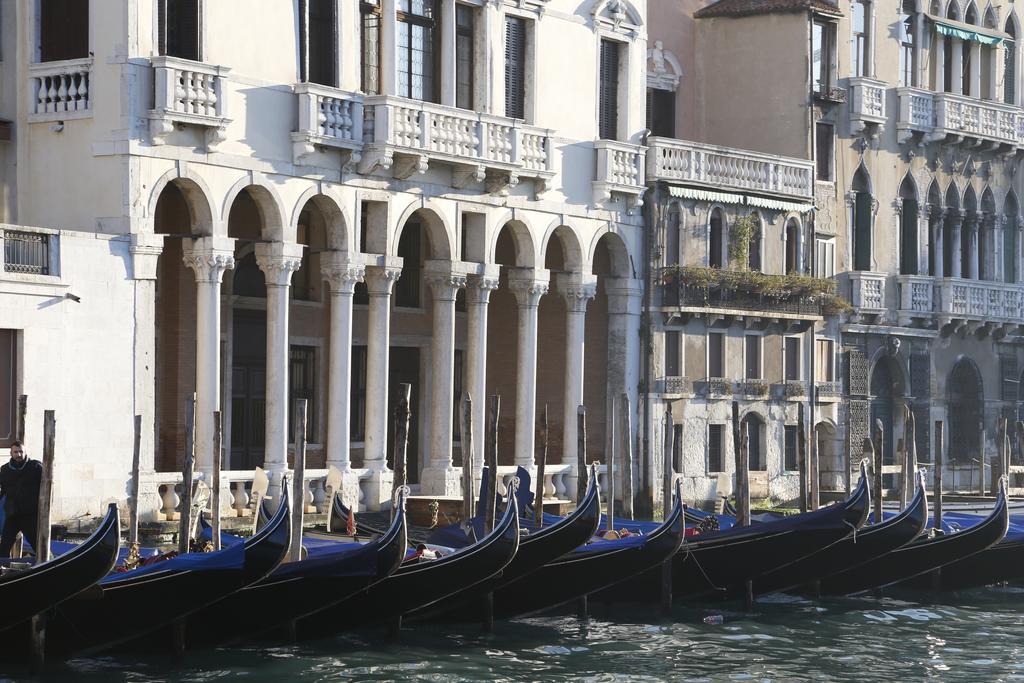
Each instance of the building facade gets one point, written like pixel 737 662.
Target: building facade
pixel 326 200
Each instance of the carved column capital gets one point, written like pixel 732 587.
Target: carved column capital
pixel 209 257
pixel 528 286
pixel 341 272
pixel 145 250
pixel 479 288
pixel 380 278
pixel 278 260
pixel 577 289
pixel 445 283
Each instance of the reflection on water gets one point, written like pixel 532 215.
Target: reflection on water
pixel 976 636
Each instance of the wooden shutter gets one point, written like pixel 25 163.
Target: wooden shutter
pixel 671 353
pixel 8 389
pixel 63 29
pixel 792 359
pixel 320 42
pixel 608 95
pixel 716 360
pixel 179 28
pixel 515 67
pixel 753 356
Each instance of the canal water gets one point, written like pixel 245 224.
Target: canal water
pixel 971 636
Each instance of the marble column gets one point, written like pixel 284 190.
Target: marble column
pixel 972 226
pixel 625 296
pixel 938 235
pixel 445 279
pixel 277 260
pixel 996 227
pixel 528 286
pixel 1018 257
pixel 380 280
pixel 940 62
pixel 958 66
pixel 208 257
pixel 577 289
pixel 956 220
pixel 341 272
pixel 478 295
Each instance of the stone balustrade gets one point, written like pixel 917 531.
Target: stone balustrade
pixel 621 170
pixel 867 291
pixel 328 117
pixel 407 136
pixel 867 106
pixel 979 300
pixel 938 116
pixel 674 160
pixel 188 93
pixel 60 90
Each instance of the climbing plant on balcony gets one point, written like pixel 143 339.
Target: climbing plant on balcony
pixel 741 233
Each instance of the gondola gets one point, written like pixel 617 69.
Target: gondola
pixel 418 583
pixel 865 545
pixel 536 548
pixel 125 606
pixel 923 555
pixel 591 568
pixel 25 593
pixel 330 573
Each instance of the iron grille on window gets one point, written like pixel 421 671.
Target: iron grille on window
pixel 26 252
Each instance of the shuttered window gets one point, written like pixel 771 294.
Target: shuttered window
pixel 824 258
pixel 317 42
pixel 661 112
pixel 369 40
pixel 464 63
pixel 716 355
pixel 179 23
pixel 824 360
pixel 63 29
pixel 715 445
pixel 752 353
pixel 792 359
pixel 789 463
pixel 608 95
pixel 671 353
pixel 515 67
pixel 8 390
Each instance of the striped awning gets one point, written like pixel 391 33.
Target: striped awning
pixel 964 31
pixel 711 196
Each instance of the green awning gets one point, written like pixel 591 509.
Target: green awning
pixel 962 31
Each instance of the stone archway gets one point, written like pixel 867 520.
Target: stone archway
pixel 966 412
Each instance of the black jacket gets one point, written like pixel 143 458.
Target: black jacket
pixel 21 487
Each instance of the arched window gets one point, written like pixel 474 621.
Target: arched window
pixel 1010 63
pixel 934 230
pixel 716 234
pixel 907 40
pixel 754 255
pixel 792 246
pixel 965 401
pixel 860 43
pixel 968 230
pixel 952 216
pixel 908 228
pixel 1010 246
pixel 753 427
pixel 986 243
pixel 663 73
pixel 862 209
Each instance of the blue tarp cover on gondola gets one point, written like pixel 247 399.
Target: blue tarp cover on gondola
pixel 228 558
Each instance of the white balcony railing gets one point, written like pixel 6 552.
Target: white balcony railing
pixel 916 296
pixel 191 93
pixel 981 301
pixel 407 136
pixel 328 117
pixel 729 169
pixel 867 291
pixel 867 106
pixel 938 115
pixel 60 90
pixel 620 170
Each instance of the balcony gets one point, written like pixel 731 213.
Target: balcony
pixel 753 388
pixel 867 107
pixel 328 118
pixel 678 385
pixel 59 91
pixel 916 297
pixel 867 293
pixel 978 306
pixel 188 93
pixel 620 169
pixel 945 116
pixel 407 136
pixel 725 168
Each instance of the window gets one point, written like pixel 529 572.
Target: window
pixel 515 67
pixel 907 36
pixel 908 230
pixel 825 258
pixel 63 29
pixel 792 246
pixel 1010 64
pixel 416 49
pixel 26 252
pixel 317 42
pixel 792 360
pixel 302 384
pixel 357 397
pixel 863 207
pixel 179 29
pixel 672 353
pixel 859 44
pixel 824 360
pixel 608 94
pixel 661 112
pixel 369 39
pixel 821 58
pixel 715 235
pixel 755 452
pixel 715 447
pixel 789 462
pixel 824 144
pixel 754 248
pixel 8 387
pixel 752 356
pixel 965 68
pixel 716 354
pixel 465 21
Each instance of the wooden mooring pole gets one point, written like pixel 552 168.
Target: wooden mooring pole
pixel 466 432
pixel 610 472
pixel 666 462
pixel 981 458
pixel 37 625
pixel 742 468
pixel 491 455
pixel 22 412
pixel 185 525
pixel 627 456
pixel 298 481
pixel 938 458
pixel 218 441
pixel 133 493
pixel 876 464
pixel 401 440
pixel 581 452
pixel 542 461
pixel 801 455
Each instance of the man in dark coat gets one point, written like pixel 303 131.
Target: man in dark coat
pixel 19 484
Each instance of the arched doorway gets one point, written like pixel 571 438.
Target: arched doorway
pixel 886 386
pixel 966 411
pixel 754 429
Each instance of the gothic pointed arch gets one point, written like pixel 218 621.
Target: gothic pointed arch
pixel 965 397
pixel 909 212
pixel 862 219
